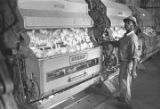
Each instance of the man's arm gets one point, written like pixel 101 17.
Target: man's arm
pixel 133 55
pixel 114 43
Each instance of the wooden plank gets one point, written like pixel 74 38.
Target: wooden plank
pixel 58 98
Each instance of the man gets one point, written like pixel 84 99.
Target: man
pixel 128 56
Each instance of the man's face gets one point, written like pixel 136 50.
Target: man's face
pixel 129 25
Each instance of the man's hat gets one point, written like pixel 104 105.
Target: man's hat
pixel 131 18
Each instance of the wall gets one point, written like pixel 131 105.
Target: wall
pixel 153 6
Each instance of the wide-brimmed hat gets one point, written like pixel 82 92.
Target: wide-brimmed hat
pixel 131 18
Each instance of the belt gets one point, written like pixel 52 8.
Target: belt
pixel 125 60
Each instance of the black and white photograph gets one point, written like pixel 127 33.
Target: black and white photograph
pixel 79 54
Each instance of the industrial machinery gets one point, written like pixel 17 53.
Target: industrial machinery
pixel 7 100
pixel 54 47
pixel 59 58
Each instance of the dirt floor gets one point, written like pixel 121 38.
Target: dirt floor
pixel 145 88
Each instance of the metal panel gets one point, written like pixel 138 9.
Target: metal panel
pixel 116 12
pixel 40 68
pixel 63 61
pixel 56 22
pixel 54 14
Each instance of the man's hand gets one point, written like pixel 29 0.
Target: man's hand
pixel 133 73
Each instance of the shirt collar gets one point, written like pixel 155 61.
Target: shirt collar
pixel 130 33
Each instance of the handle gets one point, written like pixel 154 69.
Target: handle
pixel 70 79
